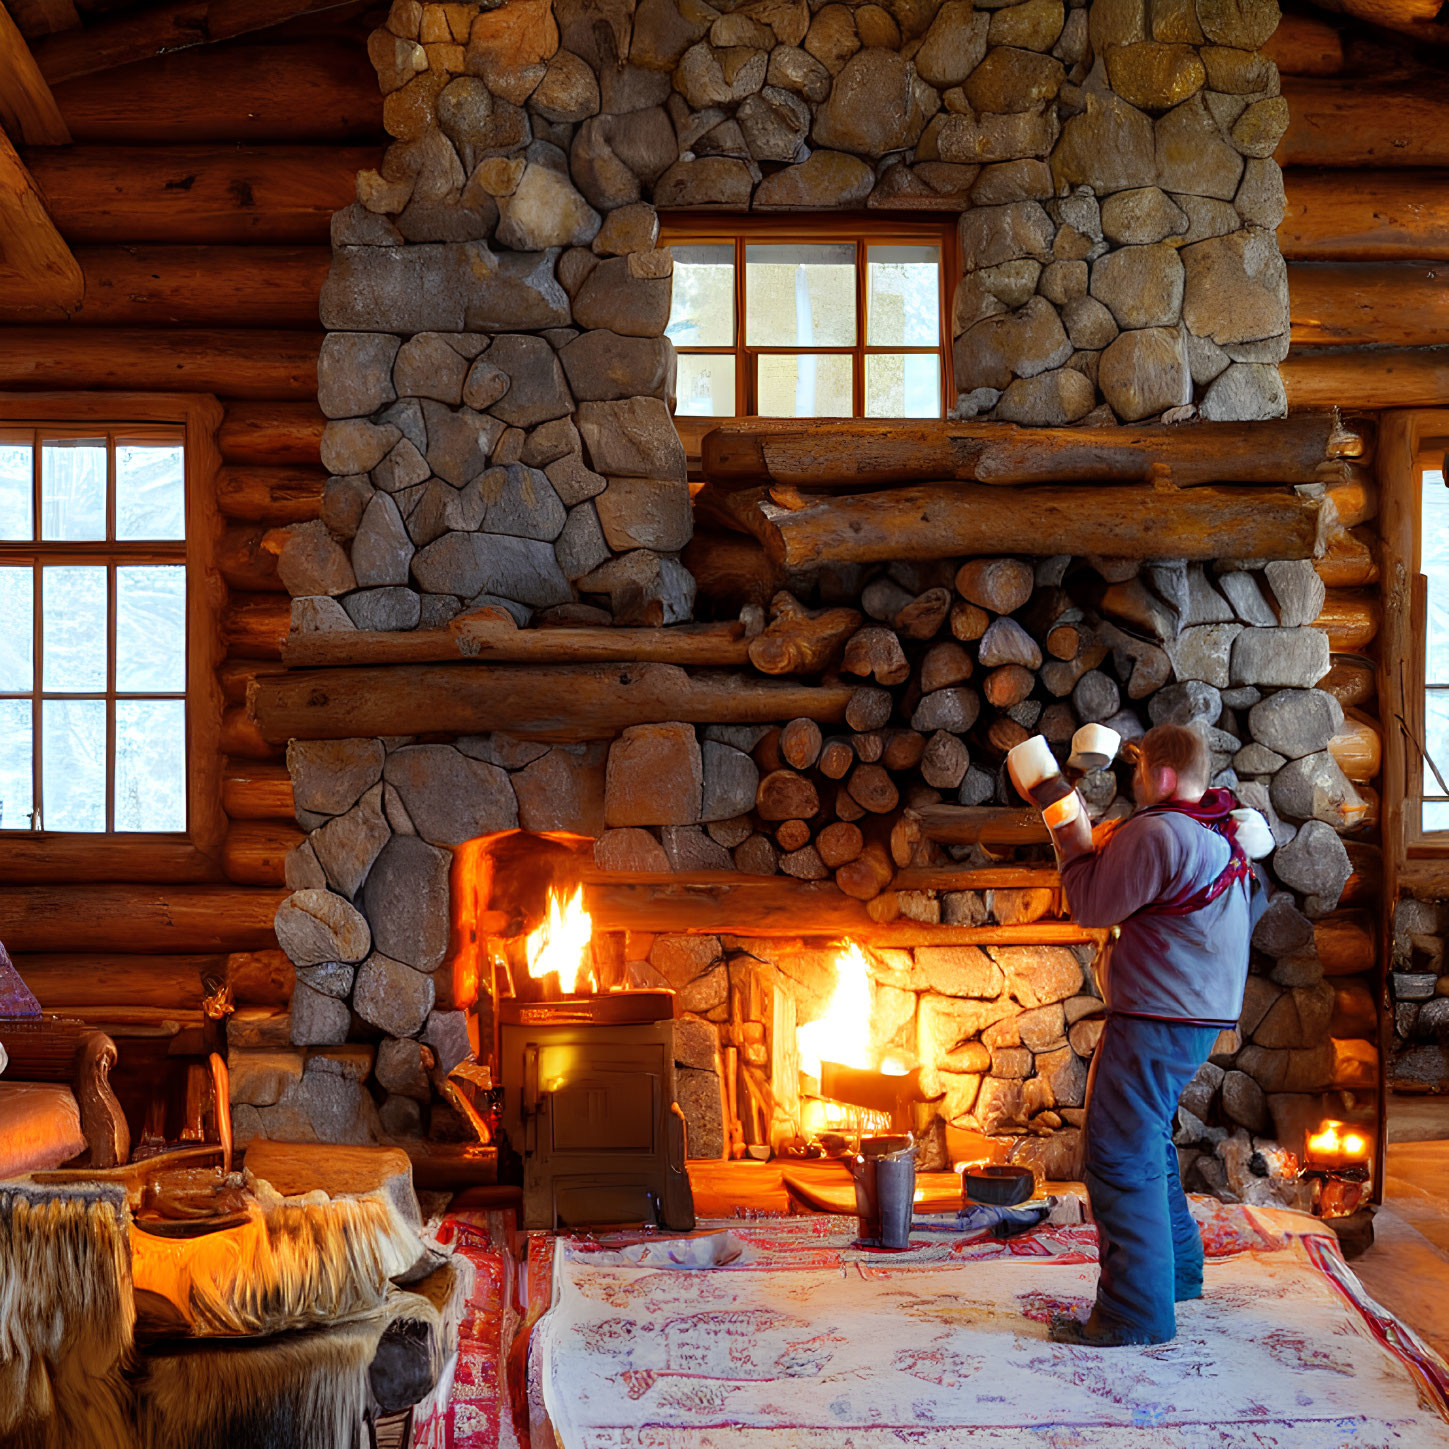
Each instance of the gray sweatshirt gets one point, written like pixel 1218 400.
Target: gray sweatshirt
pixel 1185 968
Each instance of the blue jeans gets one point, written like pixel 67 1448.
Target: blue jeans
pixel 1150 1248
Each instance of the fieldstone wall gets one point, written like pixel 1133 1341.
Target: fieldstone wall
pixel 1419 989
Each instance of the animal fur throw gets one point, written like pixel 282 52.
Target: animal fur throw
pixel 66 1317
pixel 295 1263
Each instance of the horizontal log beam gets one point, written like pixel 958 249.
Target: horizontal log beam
pixel 984 824
pixel 198 195
pixel 307 91
pixel 1351 620
pixel 714 902
pixel 935 521
pixel 1351 559
pixel 1349 123
pixel 1425 879
pixel 26 860
pixel 241 739
pixel 35 262
pixel 272 496
pixel 271 433
pixel 839 453
pixel 1367 304
pixel 1373 377
pixel 567 702
pixel 977 878
pixel 179 919
pixel 236 674
pixel 1352 680
pixel 245 562
pixel 255 852
pixel 702 645
pixel 261 792
pixel 185 286
pixel 124 39
pixel 1305 45
pixel 43 17
pixel 171 982
pixel 1359 216
pixel 231 364
pixel 254 626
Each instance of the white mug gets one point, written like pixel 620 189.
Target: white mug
pixel 1094 747
pixel 1031 762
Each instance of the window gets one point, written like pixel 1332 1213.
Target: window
pixel 838 321
pixel 1434 565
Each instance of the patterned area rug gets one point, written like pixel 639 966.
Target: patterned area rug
pixel 795 1339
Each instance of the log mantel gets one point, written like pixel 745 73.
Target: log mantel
pixel 563 702
pixel 841 453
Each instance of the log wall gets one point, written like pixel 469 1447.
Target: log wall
pixel 197 197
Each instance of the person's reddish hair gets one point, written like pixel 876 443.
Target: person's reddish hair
pixel 1178 748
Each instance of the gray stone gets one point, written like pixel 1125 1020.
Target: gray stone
pixel 954 709
pixel 1296 722
pixel 402 468
pixel 1240 588
pixel 1261 200
pixel 406 898
pixel 392 996
pixel 1205 605
pixel 1193 156
pixel 384 610
pixel 347 845
pixel 1190 702
pixel 318 1019
pixel 1245 1102
pixel 426 366
pixel 1141 216
pixel 1314 787
pixel 1256 759
pixel 774 124
pixel 1142 286
pixel 730 779
pixel 544 210
pixel 343 502
pixel 258 1078
pixel 1145 372
pixel 989 236
pixel 484 385
pixel 1245 392
pixel 1203 652
pixel 580 547
pixel 401 1068
pixel 573 480
pixel 1297 589
pixel 382 550
pixel 312 562
pixel 301 871
pixel 605 367
pixel 563 790
pixel 468 564
pixel 643 588
pixel 449 797
pixel 538 392
pixel 354 373
pixel 1236 287
pixel 619 297
pixel 1066 1074
pixel 645 513
pixel 329 776
pixel 521 503
pixel 459 442
pixel 632 438
pixel 1282 929
pixel 331 978
pixel 1283 657
pixel 688 848
pixel 1314 863
pixel 706 77
pixel 315 925
pixel 1052 399
pixel 446 1032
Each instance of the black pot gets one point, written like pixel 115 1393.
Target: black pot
pixel 1000 1186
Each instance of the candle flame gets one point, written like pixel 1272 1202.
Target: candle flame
pixel 561 943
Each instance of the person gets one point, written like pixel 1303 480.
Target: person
pixel 1179 888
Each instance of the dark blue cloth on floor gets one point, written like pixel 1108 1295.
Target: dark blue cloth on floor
pixel 1149 1246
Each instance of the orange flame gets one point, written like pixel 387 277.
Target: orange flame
pixel 560 945
pixel 843 1034
pixel 1339 1142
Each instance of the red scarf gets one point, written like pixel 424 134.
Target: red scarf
pixel 1213 812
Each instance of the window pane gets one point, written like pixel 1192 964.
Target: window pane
pixel 151 628
pixel 73 488
pixel 73 763
pixel 17 629
pixel 1436 815
pixel 1434 552
pixel 73 639
pixel 800 296
pixel 904 304
pixel 150 490
pixel 703 310
pixel 1436 739
pixel 903 385
pixel 706 385
pixel 150 764
pixel 16 785
pixel 805 385
pixel 16 465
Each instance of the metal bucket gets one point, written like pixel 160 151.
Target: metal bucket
pixel 885 1190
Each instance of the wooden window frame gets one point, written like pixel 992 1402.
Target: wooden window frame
pixel 195 853
pixel 716 229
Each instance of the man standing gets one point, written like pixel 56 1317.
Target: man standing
pixel 1174 880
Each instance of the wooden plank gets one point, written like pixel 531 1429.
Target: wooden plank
pixel 970 824
pixel 35 262
pixel 28 111
pixel 62 982
pixel 305 92
pixel 281 433
pixel 272 496
pixel 198 195
pixel 1359 216
pixel 186 286
pixel 253 626
pixel 1354 123
pixel 36 859
pixel 935 521
pixel 836 453
pixel 257 792
pixel 701 645
pixel 178 919
pixel 715 902
pixel 255 852
pixel 1305 45
pixel 1373 377
pixel 230 363
pixel 564 702
pixel 133 36
pixel 1365 304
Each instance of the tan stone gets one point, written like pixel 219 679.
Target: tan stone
pixel 563 790
pixel 877 28
pixel 633 228
pixel 1239 72
pixel 1145 372
pixel 954 45
pixel 395 58
pixel 1049 400
pixel 1236 287
pixel 1142 286
pixel 706 77
pixel 1154 76
pixel 991 235
pixel 1259 129
pixel 712 181
pixel 630 850
pixel 1016 344
pixel 1007 181
pixel 1063 282
pixel 1088 323
pixel 1010 79
pixel 408 113
pixel 1247 24
pixel 1192 155
pixel 314 926
pixel 1032 25
pixel 1261 199
pixel 654 776
pixel 831 38
pixel 1116 22
pixel 545 211
pixel 1141 216
pixel 517 35
pixel 1174 22
pixel 967 138
pixel 793 69
pixel 826 179
pixel 1109 147
pixel 873 107
pixel 1011 283
pixel 569 90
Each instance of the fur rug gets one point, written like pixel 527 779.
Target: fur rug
pixel 66 1317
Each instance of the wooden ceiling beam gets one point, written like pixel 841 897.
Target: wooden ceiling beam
pixel 28 111
pixel 143 34
pixel 35 262
pixel 44 17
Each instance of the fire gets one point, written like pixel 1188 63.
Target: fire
pixel 1337 1142
pixel 843 1033
pixel 561 944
